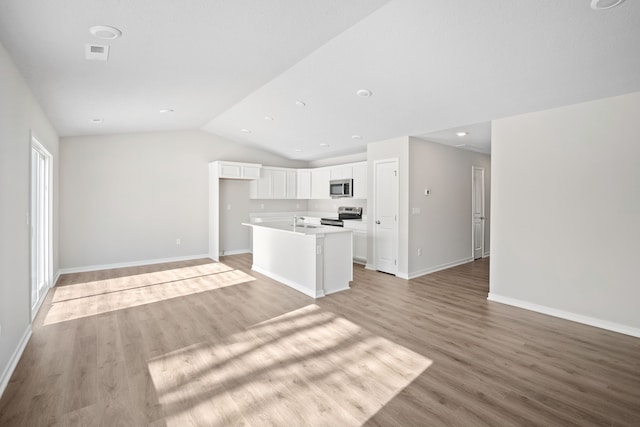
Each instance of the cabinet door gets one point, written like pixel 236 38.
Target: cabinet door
pixel 360 180
pixel 278 184
pixel 359 245
pixel 264 184
pixel 292 184
pixel 303 184
pixel 228 170
pixel 250 172
pixel 341 172
pixel 320 184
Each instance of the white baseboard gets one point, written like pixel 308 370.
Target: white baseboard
pixel 337 290
pixel 55 280
pixel 429 270
pixel 486 254
pixel 567 315
pixel 360 261
pixel 235 252
pixel 369 266
pixel 290 283
pixel 129 264
pixel 13 362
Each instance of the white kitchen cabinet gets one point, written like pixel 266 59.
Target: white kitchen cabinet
pixel 320 183
pixel 360 180
pixel 303 184
pixel 359 246
pixel 341 171
pixel 278 184
pixel 292 184
pixel 359 239
pixel 234 170
pixel 274 183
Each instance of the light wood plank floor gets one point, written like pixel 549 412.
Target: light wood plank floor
pixel 215 344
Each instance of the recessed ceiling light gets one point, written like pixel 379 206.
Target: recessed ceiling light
pixel 604 4
pixel 105 32
pixel 356 136
pixel 300 104
pixel 324 144
pixel 461 133
pixel 245 130
pixel 268 118
pixel 365 93
pixel 96 121
pixel 166 110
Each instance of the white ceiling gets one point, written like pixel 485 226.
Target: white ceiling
pixel 224 65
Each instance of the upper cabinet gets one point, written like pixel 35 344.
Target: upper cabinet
pixel 274 183
pixel 341 171
pixel 303 184
pixel 320 183
pixel 285 183
pixel 234 170
pixel 360 180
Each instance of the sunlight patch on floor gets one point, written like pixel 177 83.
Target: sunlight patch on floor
pixel 91 305
pixel 130 281
pixel 306 367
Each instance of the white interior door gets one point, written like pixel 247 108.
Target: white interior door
pixel 477 203
pixel 41 253
pixel 386 216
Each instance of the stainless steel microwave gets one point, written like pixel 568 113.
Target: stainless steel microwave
pixel 341 188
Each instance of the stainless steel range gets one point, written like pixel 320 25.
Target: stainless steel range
pixel 344 212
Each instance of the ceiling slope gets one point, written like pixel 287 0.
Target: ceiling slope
pixel 225 65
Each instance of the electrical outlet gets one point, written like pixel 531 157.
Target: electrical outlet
pixel 419 251
pixel 178 241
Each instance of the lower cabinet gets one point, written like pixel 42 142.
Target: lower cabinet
pixel 359 240
pixel 359 246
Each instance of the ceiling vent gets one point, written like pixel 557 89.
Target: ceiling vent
pixel 96 52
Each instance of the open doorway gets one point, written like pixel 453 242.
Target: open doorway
pixel 41 230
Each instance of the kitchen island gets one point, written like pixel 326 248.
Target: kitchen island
pixel 312 259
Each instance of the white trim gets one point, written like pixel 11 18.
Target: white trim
pixel 55 280
pixel 368 266
pixel 486 254
pixel 430 270
pixel 401 275
pixel 567 315
pixel 129 264
pixel 359 261
pixel 337 290
pixel 298 287
pixel 36 309
pixel 13 361
pixel 235 252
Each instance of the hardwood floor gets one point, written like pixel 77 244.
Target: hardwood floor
pixel 200 343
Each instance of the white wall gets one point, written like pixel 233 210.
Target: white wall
pixel 20 115
pixel 442 229
pixel 126 198
pixel 566 212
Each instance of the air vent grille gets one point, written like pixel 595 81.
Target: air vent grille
pixel 96 52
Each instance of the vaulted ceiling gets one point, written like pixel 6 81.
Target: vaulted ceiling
pixel 241 69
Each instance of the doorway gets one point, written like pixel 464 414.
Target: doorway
pixel 40 220
pixel 386 190
pixel 478 216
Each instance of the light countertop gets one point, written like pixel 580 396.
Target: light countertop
pixel 303 229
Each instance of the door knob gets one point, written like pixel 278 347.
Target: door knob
pixel 377 221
